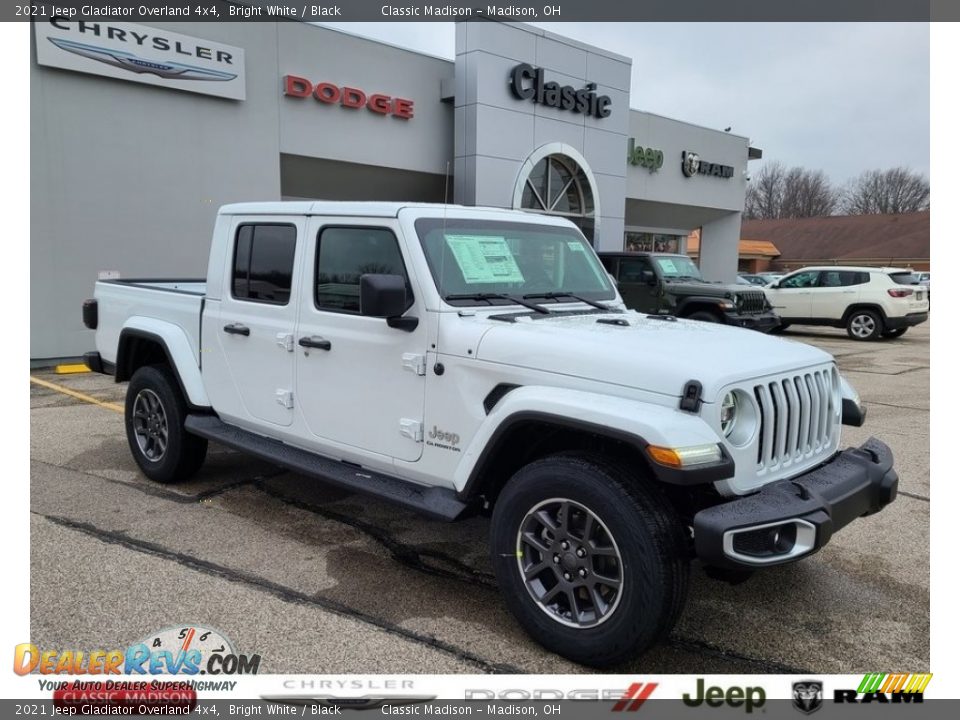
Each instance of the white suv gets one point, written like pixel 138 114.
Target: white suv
pixel 869 302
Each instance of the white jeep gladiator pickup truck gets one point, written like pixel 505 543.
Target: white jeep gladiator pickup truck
pixel 455 360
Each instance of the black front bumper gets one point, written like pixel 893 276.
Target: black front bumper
pixel 762 322
pixel 791 519
pixel 907 321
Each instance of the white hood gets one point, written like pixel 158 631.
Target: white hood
pixel 659 355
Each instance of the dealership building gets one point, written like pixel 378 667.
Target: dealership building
pixel 139 133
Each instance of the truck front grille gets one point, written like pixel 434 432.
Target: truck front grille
pixel 797 416
pixel 751 302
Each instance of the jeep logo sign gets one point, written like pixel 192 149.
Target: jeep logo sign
pixel 142 54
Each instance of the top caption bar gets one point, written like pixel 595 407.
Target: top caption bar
pixel 465 10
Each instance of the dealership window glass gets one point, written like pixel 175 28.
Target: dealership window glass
pixel 800 280
pixel 652 242
pixel 263 263
pixel 557 185
pixel 346 253
pixel 473 258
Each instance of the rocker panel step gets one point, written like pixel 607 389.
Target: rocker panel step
pixel 436 502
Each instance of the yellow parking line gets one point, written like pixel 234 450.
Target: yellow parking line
pixel 75 394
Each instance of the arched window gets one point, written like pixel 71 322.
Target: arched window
pixel 558 186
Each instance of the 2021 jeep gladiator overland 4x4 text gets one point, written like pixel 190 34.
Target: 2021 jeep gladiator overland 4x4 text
pixel 455 360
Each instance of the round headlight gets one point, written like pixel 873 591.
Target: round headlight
pixel 728 413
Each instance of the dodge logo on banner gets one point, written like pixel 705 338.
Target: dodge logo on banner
pixel 143 54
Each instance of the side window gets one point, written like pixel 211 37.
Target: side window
pixel 834 278
pixel 800 280
pixel 343 255
pixel 631 271
pixel 263 263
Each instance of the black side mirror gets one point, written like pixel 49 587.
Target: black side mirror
pixel 385 296
pixel 648 277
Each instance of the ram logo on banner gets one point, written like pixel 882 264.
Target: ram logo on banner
pixel 143 54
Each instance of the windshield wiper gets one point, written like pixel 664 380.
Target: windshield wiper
pixel 561 294
pixel 498 296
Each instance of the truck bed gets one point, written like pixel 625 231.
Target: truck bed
pixel 138 302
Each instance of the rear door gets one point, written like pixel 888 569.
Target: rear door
pixel 791 298
pixel 637 294
pixel 247 355
pixel 360 382
pixel 835 291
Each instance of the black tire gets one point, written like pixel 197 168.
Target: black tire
pixel 154 396
pixel 894 333
pixel 643 529
pixel 864 325
pixel 705 316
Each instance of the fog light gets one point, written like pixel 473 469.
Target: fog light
pixel 685 457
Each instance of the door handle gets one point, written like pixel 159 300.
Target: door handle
pixel 237 329
pixel 314 341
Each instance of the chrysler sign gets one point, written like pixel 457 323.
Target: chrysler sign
pixel 142 54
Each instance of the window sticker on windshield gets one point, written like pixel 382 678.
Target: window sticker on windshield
pixel 484 259
pixel 576 246
pixel 667 265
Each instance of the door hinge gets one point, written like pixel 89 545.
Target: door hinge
pixel 412 429
pixel 285 340
pixel 285 398
pixel 415 363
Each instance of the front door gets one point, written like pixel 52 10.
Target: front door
pixel 791 297
pixel 360 382
pixel 638 294
pixel 248 333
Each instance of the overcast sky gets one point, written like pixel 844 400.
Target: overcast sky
pixel 838 97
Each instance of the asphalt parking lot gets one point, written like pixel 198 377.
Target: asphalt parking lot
pixel 320 581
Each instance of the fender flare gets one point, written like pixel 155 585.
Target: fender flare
pixel 713 301
pixel 632 422
pixel 176 346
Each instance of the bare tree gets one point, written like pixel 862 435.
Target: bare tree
pixel 795 193
pixel 897 190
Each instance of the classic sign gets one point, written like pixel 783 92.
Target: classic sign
pixel 529 83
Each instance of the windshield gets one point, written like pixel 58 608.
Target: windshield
pixel 676 267
pixel 472 261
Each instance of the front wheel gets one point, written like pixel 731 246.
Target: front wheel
pixel 154 415
pixel 864 325
pixel 705 316
pixel 590 558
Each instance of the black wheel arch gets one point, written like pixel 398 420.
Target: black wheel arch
pixel 526 436
pixel 686 306
pixel 864 306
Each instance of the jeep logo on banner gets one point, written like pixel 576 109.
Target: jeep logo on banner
pixel 143 54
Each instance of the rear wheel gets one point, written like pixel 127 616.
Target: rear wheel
pixel 590 558
pixel 864 325
pixel 154 415
pixel 894 333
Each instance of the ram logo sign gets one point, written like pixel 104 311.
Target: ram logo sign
pixel 142 54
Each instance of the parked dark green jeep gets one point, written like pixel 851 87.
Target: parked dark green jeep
pixel 662 284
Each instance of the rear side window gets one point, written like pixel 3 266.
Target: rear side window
pixel 343 255
pixel 631 271
pixel 843 278
pixel 263 263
